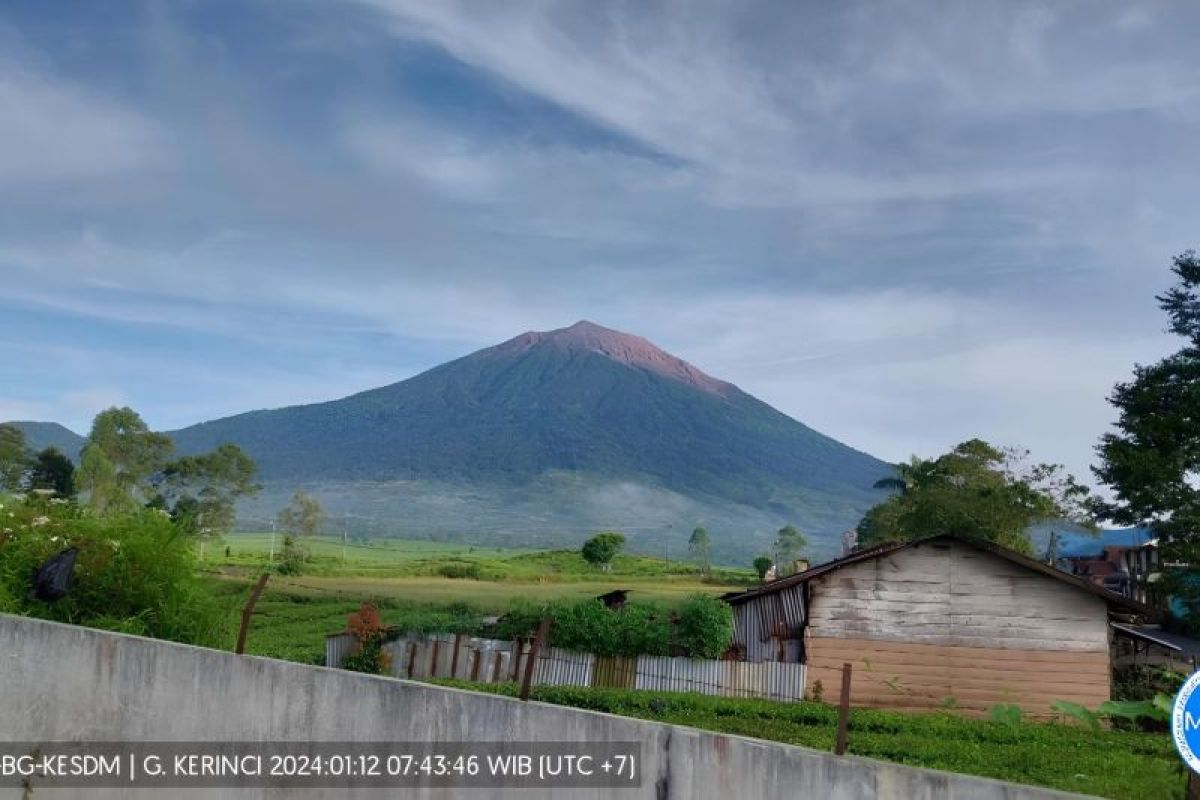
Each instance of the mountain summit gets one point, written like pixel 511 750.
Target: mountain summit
pixel 549 436
pixel 624 348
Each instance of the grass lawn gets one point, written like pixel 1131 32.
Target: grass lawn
pixel 1108 763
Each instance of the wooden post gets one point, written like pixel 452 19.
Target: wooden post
pixel 496 676
pixel 433 661
pixel 458 637
pixel 543 631
pixel 516 661
pixel 478 656
pixel 1193 785
pixel 843 712
pixel 247 610
pixel 412 658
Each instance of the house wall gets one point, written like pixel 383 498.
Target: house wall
pixel 943 624
pixel 769 627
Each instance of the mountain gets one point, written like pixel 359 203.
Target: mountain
pixel 40 435
pixel 549 436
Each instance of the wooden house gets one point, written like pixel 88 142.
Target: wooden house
pixel 941 622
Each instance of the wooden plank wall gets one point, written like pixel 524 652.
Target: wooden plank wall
pixel 946 625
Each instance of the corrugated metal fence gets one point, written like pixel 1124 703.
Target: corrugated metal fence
pixel 493 661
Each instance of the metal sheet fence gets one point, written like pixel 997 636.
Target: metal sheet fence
pixel 495 661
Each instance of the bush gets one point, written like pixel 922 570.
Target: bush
pixel 135 572
pixel 460 569
pixel 704 627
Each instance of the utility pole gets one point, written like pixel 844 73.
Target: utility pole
pixel 271 558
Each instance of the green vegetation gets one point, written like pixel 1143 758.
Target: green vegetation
pixel 1069 757
pixel 602 548
pixel 974 490
pixel 700 546
pixel 762 565
pixel 406 581
pixel 701 627
pixel 789 544
pixel 135 572
pixel 1152 461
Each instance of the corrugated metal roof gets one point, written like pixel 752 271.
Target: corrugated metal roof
pixel 1112 598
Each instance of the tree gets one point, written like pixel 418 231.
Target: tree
pixel 789 544
pixel 762 565
pixel 913 475
pixel 699 545
pixel 52 470
pixel 206 487
pixel 118 460
pixel 302 516
pixel 13 457
pixel 976 490
pixel 1152 461
pixel 602 548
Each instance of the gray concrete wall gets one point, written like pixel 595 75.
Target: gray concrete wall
pixel 60 682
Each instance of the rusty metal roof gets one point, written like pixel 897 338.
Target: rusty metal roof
pixel 1112 598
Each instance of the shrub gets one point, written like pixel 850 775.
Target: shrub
pixel 135 572
pixel 368 654
pixel 704 628
pixel 460 569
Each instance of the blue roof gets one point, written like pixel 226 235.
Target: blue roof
pixel 1082 545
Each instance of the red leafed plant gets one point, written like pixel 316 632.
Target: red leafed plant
pixel 368 654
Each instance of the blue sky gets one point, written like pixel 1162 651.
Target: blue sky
pixel 904 224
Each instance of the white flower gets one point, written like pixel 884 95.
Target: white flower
pixel 53 538
pixel 36 521
pixel 58 501
pixel 115 544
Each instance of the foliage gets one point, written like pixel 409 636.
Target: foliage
pixel 135 572
pixel 293 558
pixel 700 546
pixel 1152 460
pixel 975 490
pixel 52 470
pixel 119 459
pixel 302 516
pixel 206 488
pixel 370 632
pixel 705 627
pixel 1005 713
pixel 1109 763
pixel 762 565
pixel 701 629
pixel 602 548
pixel 789 544
pixel 13 458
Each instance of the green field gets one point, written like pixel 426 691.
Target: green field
pixel 407 580
pixel 1108 763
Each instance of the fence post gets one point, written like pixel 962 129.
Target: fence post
pixel 412 658
pixel 542 632
pixel 516 659
pixel 478 656
pixel 247 610
pixel 843 711
pixel 433 661
pixel 458 637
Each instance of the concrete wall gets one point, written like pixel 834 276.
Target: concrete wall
pixel 59 682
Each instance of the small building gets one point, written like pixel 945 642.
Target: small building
pixel 942 622
pixel 1125 561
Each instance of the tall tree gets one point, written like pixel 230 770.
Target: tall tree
pixel 789 545
pixel 1152 460
pixel 119 458
pixel 302 516
pixel 699 544
pixel 976 490
pixel 14 459
pixel 205 488
pixel 52 470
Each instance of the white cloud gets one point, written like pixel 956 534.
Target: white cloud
pixel 54 130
